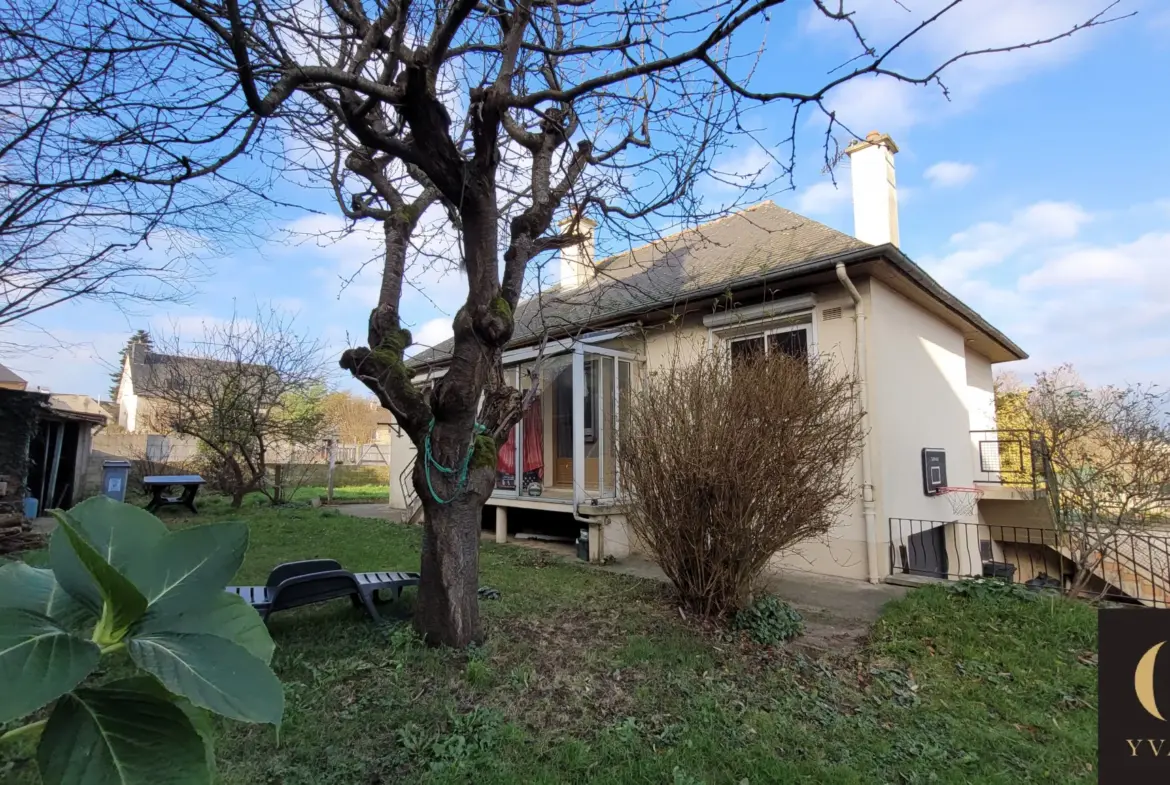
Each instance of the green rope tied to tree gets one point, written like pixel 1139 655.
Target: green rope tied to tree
pixel 430 461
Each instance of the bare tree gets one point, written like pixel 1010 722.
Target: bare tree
pixel 113 159
pixel 1109 467
pixel 355 419
pixel 249 391
pixel 504 116
pixel 713 505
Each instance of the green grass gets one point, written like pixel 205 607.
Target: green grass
pixel 588 676
pixel 373 493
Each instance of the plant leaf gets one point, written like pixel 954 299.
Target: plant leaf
pixel 211 672
pixel 200 719
pixel 123 534
pixel 228 616
pixel 122 603
pixel 119 736
pixel 39 661
pixel 192 565
pixel 34 589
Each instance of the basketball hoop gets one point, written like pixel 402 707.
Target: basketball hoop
pixel 963 500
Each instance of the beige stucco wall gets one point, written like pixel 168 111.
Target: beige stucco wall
pixel 842 551
pixel 920 397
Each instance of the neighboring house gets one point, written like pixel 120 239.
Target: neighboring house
pixel 10 381
pixel 762 279
pixel 146 375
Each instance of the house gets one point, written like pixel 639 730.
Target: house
pixel 45 444
pixel 10 381
pixel 142 371
pixel 147 375
pixel 764 279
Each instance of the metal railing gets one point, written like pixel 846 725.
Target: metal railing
pixel 1123 566
pixel 1013 457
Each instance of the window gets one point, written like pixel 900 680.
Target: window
pixel 985 550
pixel 791 340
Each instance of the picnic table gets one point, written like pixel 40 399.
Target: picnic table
pixel 159 484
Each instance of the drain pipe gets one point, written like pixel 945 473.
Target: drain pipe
pixel 868 511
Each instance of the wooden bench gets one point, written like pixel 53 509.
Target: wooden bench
pixel 294 584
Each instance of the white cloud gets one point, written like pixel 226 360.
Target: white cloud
pixel 431 333
pixel 71 361
pixel 989 244
pixel 1101 305
pixel 893 106
pixel 950 174
pixel 824 197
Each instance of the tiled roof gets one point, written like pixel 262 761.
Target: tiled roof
pixel 151 370
pixel 8 376
pixel 755 241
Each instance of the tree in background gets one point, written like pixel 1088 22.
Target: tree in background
pixel 354 418
pixel 139 338
pixel 1108 466
pixel 505 116
pixel 249 392
pixel 727 465
pixel 115 162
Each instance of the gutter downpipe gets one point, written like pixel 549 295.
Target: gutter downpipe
pixel 868 510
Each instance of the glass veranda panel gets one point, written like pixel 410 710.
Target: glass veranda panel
pixel 509 452
pixel 545 436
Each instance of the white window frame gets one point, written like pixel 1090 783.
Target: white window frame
pixel 766 327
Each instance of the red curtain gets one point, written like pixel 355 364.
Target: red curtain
pixel 533 446
pixel 534 441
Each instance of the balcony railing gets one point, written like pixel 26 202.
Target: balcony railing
pixel 1124 566
pixel 1016 458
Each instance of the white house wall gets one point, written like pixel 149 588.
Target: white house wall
pixel 927 390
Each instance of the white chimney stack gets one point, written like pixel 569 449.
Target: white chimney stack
pixel 577 260
pixel 875 194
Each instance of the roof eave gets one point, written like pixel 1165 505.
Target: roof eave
pixel 890 253
pixel 907 266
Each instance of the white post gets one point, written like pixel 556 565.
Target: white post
pixel 501 524
pixel 578 425
pixel 332 457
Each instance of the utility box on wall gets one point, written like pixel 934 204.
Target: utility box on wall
pixel 115 475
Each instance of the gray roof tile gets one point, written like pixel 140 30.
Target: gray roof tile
pixel 758 240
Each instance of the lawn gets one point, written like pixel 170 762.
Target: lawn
pixel 371 493
pixel 588 676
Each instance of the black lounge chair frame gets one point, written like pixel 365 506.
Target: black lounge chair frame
pixel 294 584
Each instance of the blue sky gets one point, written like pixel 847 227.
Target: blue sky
pixel 1039 194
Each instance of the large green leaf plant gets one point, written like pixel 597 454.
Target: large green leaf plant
pixel 120 585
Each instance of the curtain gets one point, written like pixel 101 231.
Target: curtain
pixel 533 451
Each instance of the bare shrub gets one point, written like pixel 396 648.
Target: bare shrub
pixel 1108 472
pixel 726 463
pixel 249 390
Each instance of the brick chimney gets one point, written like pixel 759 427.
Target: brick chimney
pixel 875 193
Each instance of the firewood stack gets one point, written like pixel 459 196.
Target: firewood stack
pixel 16 532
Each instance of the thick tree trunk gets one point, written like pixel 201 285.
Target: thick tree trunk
pixel 447 613
pixel 237 499
pixel 448 602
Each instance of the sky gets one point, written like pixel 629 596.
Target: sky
pixel 1039 193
